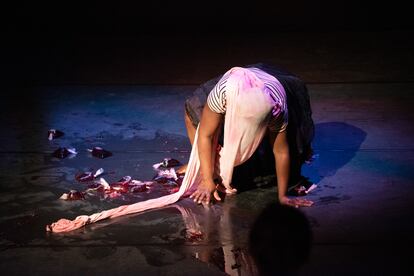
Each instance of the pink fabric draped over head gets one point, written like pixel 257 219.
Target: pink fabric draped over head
pixel 245 121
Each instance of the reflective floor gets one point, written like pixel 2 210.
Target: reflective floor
pixel 362 217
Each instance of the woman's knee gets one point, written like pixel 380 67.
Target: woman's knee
pixel 187 119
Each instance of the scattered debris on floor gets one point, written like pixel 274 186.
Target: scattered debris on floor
pixel 302 188
pixel 100 152
pixel 166 163
pixel 312 158
pixel 54 133
pixel 89 176
pixel 166 177
pixel 102 188
pixel 73 195
pixel 63 152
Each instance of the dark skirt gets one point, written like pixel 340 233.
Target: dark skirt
pixel 261 167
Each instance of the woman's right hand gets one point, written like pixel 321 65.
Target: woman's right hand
pixel 205 192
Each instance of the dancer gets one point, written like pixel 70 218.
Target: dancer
pixel 290 128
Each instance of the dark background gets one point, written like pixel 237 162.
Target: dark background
pixel 186 43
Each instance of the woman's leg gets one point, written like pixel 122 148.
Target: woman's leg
pixel 191 130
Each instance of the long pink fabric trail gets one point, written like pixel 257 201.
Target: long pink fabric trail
pixel 248 109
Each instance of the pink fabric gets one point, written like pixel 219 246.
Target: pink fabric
pixel 248 109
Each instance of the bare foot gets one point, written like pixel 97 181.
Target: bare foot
pixel 182 169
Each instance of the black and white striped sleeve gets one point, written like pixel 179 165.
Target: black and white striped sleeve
pixel 278 122
pixel 216 99
pixel 279 119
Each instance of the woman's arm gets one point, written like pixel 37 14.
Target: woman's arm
pixel 282 162
pixel 210 121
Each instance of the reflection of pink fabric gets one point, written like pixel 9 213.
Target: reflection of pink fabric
pixel 193 231
pixel 248 109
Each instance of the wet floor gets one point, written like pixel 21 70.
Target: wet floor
pixel 363 203
pixel 362 95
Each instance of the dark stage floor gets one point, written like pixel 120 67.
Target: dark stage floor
pixel 362 218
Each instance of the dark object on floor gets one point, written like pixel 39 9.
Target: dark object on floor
pixel 167 163
pixel 165 175
pixel 280 240
pixel 100 152
pixel 73 195
pixel 84 177
pixel 121 185
pixel 302 188
pixel 139 188
pixel 88 176
pixel 54 133
pixel 63 152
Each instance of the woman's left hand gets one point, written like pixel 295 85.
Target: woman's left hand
pixel 295 202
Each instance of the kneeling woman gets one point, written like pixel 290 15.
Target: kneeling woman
pixel 251 103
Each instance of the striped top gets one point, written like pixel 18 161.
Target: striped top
pixel 216 99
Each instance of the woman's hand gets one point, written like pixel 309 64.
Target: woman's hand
pixel 204 193
pixel 295 202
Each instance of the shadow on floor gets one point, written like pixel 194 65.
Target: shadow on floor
pixel 336 143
